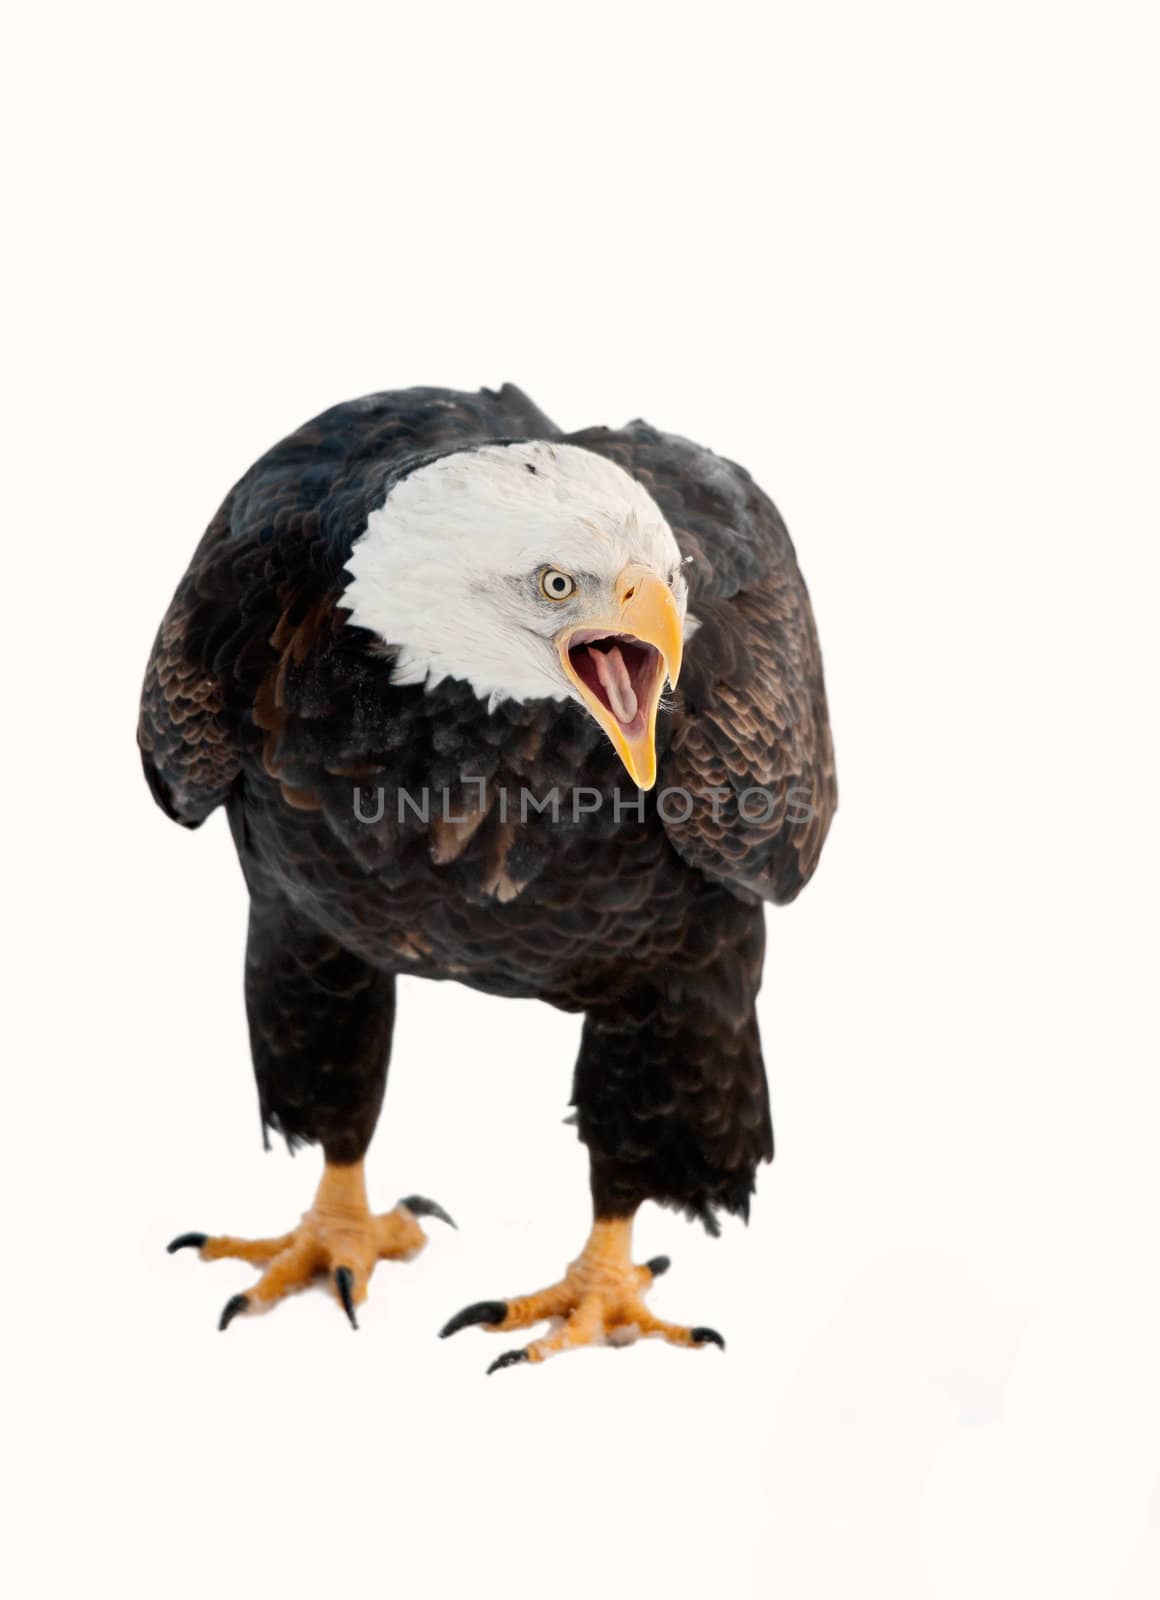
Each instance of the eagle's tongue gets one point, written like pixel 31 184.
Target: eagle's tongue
pixel 613 674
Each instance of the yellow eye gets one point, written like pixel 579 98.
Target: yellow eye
pixel 557 585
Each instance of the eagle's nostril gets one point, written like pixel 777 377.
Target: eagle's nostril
pixel 628 594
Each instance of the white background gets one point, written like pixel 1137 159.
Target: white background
pixel 902 262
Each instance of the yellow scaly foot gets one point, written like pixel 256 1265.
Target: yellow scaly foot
pixel 598 1301
pixel 339 1237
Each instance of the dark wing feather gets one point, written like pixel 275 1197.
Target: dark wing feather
pixel 183 730
pixel 750 739
pixel 267 575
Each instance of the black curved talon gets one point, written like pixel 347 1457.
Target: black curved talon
pixel 658 1266
pixel 510 1358
pixel 706 1336
pixel 232 1308
pixel 187 1241
pixel 490 1312
pixel 419 1207
pixel 344 1283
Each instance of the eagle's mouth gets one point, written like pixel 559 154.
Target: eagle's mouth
pixel 617 666
pixel 620 672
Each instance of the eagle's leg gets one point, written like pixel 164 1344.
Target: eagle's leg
pixel 599 1300
pixel 321 1020
pixel 671 1102
pixel 339 1238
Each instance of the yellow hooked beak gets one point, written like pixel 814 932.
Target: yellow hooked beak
pixel 619 665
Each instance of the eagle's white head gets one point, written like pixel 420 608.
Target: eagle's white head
pixel 529 570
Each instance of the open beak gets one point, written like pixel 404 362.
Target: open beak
pixel 619 666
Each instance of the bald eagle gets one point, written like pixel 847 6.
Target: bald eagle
pixel 542 713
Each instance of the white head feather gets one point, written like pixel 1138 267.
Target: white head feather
pixel 448 569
